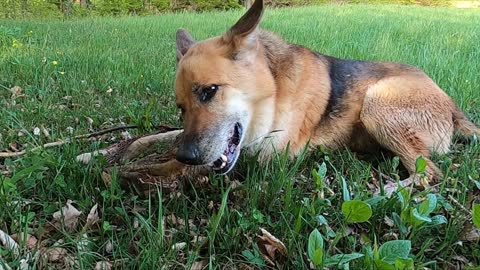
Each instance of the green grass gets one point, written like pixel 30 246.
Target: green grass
pixel 136 58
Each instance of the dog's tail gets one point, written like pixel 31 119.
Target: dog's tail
pixel 462 124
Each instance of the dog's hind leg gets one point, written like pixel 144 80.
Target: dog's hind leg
pixel 406 143
pixel 411 119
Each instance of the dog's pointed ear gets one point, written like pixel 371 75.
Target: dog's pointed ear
pixel 184 42
pixel 242 37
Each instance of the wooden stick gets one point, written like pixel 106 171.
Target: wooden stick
pixel 62 142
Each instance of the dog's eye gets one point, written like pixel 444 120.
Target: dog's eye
pixel 208 92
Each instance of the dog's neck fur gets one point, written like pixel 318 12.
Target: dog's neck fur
pixel 291 76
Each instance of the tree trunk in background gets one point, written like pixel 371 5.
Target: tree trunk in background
pixel 83 3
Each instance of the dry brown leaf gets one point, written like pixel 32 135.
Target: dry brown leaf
pixel 92 217
pixel 30 240
pixel 14 147
pixel 198 239
pixel 390 236
pixel 68 214
pixel 71 261
pixel 56 254
pixel 269 245
pixel 103 265
pixel 107 179
pixel 461 259
pixel 470 233
pixel 199 265
pixel 9 243
pixel 243 266
pixel 176 221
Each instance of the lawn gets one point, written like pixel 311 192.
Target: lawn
pixel 83 75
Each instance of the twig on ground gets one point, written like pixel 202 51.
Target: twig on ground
pixel 65 141
pixel 459 205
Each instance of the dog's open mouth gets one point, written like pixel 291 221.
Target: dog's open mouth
pixel 227 160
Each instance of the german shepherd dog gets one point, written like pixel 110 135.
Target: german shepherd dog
pixel 235 90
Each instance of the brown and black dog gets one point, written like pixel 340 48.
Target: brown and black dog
pixel 235 90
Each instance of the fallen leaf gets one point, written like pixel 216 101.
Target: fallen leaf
pixel 243 266
pixel 56 254
pixel 390 236
pixel 30 240
pixel 269 245
pixel 107 179
pixel 92 217
pixel 14 147
pixel 71 261
pixel 9 243
pixel 461 259
pixel 470 233
pixel 176 221
pixel 198 239
pixel 199 265
pixel 68 214
pixel 103 265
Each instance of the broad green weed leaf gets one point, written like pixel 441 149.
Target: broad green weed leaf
pixel 420 165
pixel 375 200
pixel 404 264
pixel 317 257
pixel 390 251
pixel 315 241
pixel 419 217
pixel 427 206
pixel 476 215
pixel 356 211
pixel 381 265
pixel 340 259
pixel 439 219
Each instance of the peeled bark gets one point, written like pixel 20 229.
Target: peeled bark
pixel 148 161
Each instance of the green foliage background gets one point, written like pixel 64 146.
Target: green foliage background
pixel 15 9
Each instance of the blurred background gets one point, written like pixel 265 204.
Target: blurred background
pixel 16 9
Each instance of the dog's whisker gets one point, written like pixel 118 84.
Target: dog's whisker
pixel 262 137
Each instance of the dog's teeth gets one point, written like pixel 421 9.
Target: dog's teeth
pixel 224 158
pixel 223 165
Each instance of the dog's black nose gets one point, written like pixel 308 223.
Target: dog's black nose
pixel 188 153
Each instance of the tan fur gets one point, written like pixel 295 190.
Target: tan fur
pixel 283 94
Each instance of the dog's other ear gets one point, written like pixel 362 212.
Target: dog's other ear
pixel 242 37
pixel 184 42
